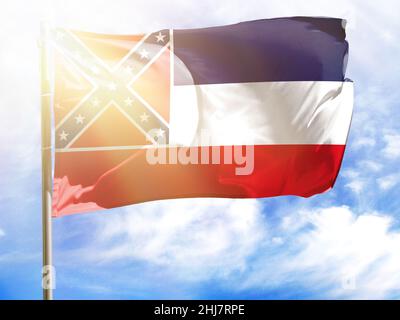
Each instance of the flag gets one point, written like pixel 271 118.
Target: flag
pixel 255 109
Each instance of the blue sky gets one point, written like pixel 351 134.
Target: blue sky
pixel 342 244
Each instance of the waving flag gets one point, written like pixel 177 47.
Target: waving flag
pixel 255 109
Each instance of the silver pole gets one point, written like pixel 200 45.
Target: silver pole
pixel 47 271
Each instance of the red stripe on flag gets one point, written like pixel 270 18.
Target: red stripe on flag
pixel 91 180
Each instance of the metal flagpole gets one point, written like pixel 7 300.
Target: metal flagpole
pixel 48 270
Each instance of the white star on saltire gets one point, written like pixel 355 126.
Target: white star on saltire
pixel 160 37
pixel 79 119
pixel 144 117
pixel 128 101
pixel 95 102
pixel 160 133
pixel 144 54
pixel 64 135
pixel 112 86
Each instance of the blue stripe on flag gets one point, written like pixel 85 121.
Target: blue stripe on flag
pixel 283 49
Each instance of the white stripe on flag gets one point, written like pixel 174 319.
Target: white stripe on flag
pixel 296 112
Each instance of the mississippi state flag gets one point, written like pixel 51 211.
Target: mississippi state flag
pixel 255 109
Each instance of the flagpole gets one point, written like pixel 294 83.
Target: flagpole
pixel 48 270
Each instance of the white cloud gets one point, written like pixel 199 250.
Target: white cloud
pixel 329 252
pixel 389 181
pixel 199 235
pixel 356 185
pixel 2 233
pixel 364 142
pixel 366 174
pixel 356 182
pixel 350 173
pixel 392 148
pixel 338 246
pixel 371 165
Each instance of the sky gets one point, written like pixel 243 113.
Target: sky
pixel 344 244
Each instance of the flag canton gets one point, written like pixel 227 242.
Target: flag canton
pixel 99 73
